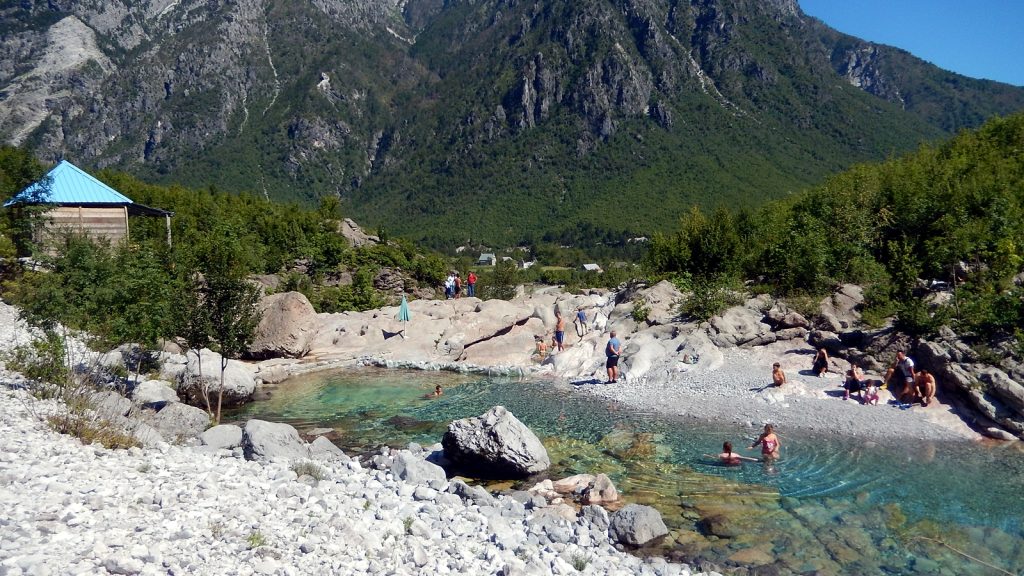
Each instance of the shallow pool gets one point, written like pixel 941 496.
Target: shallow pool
pixel 829 505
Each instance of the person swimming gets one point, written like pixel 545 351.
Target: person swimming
pixel 437 392
pixel 730 458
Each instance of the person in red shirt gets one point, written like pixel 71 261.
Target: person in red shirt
pixel 471 284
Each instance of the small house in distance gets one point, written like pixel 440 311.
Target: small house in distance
pixel 487 259
pixel 592 268
pixel 83 204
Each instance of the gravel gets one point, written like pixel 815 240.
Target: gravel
pixel 737 392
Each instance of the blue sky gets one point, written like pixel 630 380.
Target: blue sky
pixel 977 38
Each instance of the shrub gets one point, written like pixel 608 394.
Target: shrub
pixel 707 299
pixel 307 468
pixel 255 539
pixel 641 311
pixel 580 561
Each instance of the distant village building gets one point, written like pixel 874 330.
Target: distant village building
pixel 487 259
pixel 524 265
pixel 83 204
pixel 592 268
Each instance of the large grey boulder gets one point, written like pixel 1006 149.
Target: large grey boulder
pixel 636 525
pixel 109 404
pixel 737 326
pixel 225 436
pixel 287 326
pixel 413 469
pixel 495 444
pixel 177 422
pixel 239 383
pixel 153 392
pixel 323 449
pixel 265 441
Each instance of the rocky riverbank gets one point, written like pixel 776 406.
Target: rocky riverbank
pixel 717 371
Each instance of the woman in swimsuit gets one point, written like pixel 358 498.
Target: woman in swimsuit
pixel 730 458
pixel 769 443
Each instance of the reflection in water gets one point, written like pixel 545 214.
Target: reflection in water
pixel 828 505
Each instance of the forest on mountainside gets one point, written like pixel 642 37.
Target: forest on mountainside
pixel 951 213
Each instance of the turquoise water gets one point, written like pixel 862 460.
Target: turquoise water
pixel 829 505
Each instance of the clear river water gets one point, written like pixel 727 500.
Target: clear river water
pixel 827 506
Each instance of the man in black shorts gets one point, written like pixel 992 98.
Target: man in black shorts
pixel 613 350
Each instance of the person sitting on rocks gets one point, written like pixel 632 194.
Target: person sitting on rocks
pixel 925 387
pixel 778 376
pixel 903 370
pixel 769 443
pixel 820 365
pixel 730 458
pixel 854 383
pixel 542 347
pixel 871 393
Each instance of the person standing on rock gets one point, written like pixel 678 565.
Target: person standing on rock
pixel 471 284
pixel 925 387
pixel 580 322
pixel 613 350
pixel 449 287
pixel 559 330
pixel 458 286
pixel 903 369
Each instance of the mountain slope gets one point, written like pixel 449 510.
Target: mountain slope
pixel 494 120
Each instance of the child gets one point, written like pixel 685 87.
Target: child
pixel 871 393
pixel 778 376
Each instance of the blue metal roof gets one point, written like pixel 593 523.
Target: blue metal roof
pixel 69 184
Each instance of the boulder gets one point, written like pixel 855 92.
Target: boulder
pixel 354 234
pixel 495 444
pixel 1002 386
pixel 841 310
pixel 225 436
pixel 178 422
pixel 323 449
pixel 782 317
pixel 596 516
pixel 265 441
pixel 737 326
pixel 636 525
pixel 476 494
pixel 415 470
pixel 572 484
pixel 239 384
pixel 662 301
pixel 601 491
pixel 110 404
pixel 287 326
pixel 153 392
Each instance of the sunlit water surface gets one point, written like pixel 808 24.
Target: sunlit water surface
pixel 828 506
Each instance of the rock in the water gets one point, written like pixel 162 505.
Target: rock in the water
pixel 286 328
pixel 225 436
pixel 495 444
pixel 636 525
pixel 576 483
pixel 415 470
pixel 601 491
pixel 264 441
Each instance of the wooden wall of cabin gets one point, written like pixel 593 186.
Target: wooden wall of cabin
pixel 109 223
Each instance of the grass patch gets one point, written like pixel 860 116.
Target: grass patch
pixel 307 468
pixel 255 540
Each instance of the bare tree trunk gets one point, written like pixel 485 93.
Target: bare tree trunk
pixel 220 393
pixel 204 389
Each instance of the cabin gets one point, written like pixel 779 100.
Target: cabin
pixel 592 268
pixel 487 259
pixel 83 204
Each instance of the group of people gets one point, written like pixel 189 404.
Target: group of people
pixel 918 385
pixel 453 285
pixel 915 385
pixel 558 337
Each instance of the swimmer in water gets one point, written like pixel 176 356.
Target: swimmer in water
pixel 437 392
pixel 769 443
pixel 730 458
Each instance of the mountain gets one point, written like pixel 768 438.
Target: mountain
pixel 490 120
